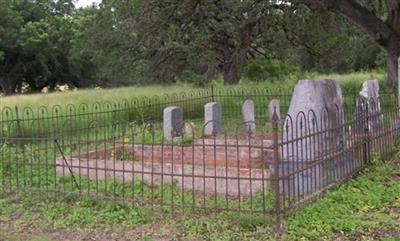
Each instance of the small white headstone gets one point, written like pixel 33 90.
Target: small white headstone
pixel 248 116
pixel 273 106
pixel 370 94
pixel 212 118
pixel 172 122
pixel 189 128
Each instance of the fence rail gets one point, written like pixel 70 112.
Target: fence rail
pixel 269 171
pixel 43 120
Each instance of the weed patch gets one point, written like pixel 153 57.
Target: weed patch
pixel 357 204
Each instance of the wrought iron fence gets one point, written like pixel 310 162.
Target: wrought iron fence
pixel 319 149
pixel 269 171
pixel 136 164
pixel 28 121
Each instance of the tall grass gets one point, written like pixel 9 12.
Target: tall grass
pixel 89 96
pixel 350 82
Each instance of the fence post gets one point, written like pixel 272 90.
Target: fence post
pixel 366 134
pixel 19 128
pixel 277 194
pixel 398 85
pixel 212 92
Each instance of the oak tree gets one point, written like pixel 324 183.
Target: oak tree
pixel 379 19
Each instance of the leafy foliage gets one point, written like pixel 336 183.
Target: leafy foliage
pixel 36 44
pixel 268 69
pixel 48 43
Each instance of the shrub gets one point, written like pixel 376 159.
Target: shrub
pixel 265 68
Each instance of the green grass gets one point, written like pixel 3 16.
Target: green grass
pixel 363 208
pixel 91 95
pixel 350 81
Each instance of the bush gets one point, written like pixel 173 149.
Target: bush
pixel 197 80
pixel 264 68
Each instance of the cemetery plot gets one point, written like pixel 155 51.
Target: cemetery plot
pixel 224 166
pixel 241 157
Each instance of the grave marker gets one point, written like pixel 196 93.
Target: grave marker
pixel 274 106
pixel 248 116
pixel 313 129
pixel 172 122
pixel 212 118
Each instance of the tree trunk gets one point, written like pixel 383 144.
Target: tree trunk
pixel 393 53
pixel 232 72
pixel 7 86
pixel 234 65
pixel 392 70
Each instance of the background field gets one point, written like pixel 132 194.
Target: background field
pixel 350 82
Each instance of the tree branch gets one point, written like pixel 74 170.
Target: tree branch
pixel 393 18
pixel 376 29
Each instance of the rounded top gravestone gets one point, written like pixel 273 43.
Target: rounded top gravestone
pixel 212 118
pixel 273 107
pixel 172 122
pixel 369 94
pixel 316 107
pixel 248 116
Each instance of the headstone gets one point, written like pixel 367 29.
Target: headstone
pixel 172 122
pixel 189 128
pixel 370 94
pixel 212 118
pixel 313 129
pixel 273 106
pixel 370 89
pixel 248 116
